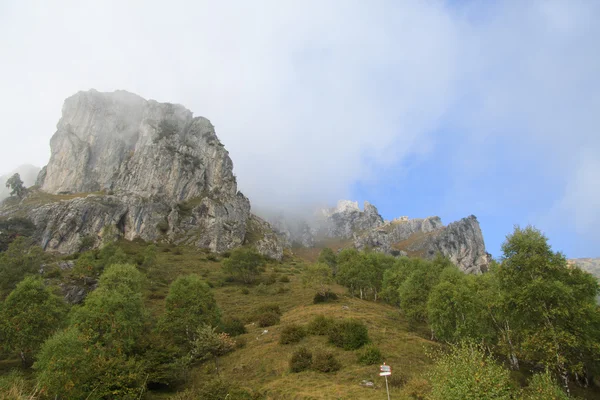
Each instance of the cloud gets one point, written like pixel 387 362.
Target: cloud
pixel 311 97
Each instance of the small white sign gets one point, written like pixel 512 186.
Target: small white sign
pixel 385 368
pixel 388 373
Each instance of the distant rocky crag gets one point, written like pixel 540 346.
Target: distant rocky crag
pixel 122 165
pixel 461 241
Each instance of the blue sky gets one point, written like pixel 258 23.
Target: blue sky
pixel 445 108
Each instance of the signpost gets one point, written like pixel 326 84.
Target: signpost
pixel 385 371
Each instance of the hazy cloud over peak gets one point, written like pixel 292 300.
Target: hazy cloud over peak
pixel 315 98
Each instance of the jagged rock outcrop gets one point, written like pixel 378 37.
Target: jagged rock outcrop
pixel 461 241
pixel 261 235
pixel 346 219
pixel 138 168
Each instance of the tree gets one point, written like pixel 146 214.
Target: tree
pixel 549 312
pixel 65 366
pixel 210 343
pixel 414 291
pixel 189 305
pixel 15 184
pixel 31 313
pixel 455 310
pixel 327 256
pixel 469 372
pixel 113 315
pixel 244 264
pixel 319 277
pixel 20 259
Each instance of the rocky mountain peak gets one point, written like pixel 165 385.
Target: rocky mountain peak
pixel 121 142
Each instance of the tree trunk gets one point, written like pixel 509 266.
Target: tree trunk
pixel 23 359
pixel 361 293
pixel 514 361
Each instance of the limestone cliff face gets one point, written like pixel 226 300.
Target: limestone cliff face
pixel 461 241
pixel 139 168
pixel 346 219
pixel 122 143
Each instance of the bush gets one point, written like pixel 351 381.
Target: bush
pixel 284 279
pixel 245 291
pixel 274 308
pixel 324 298
pixel 268 318
pixel 325 361
pixel 468 371
pixel 301 360
pixel 544 386
pixel 349 335
pixel 320 325
pixel 232 326
pixel 416 388
pixel 370 355
pixel 292 334
pixel 271 279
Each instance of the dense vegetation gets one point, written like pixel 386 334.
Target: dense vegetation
pixel 162 321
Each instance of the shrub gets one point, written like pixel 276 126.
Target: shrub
pixel 232 326
pixel 370 355
pixel 274 308
pixel 292 334
pixel 301 360
pixel 544 386
pixel 349 335
pixel 284 279
pixel 416 388
pixel 325 361
pixel 468 371
pixel 271 279
pixel 268 319
pixel 244 291
pixel 324 298
pixel 320 325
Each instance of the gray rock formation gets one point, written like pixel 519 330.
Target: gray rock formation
pixel 461 241
pixel 137 168
pixel 345 220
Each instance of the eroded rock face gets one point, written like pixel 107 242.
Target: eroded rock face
pixel 137 169
pixel 461 241
pixel 346 219
pixel 121 142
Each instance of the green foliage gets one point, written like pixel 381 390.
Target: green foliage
pixel 166 128
pixel 20 259
pixel 325 361
pixel 318 277
pixel 327 256
pixel 244 263
pixel 87 243
pixel 292 334
pixel 324 297
pixel 301 360
pixel 349 334
pixel 150 257
pixel 217 389
pixel 209 343
pixel 468 372
pixel 30 314
pixel 93 262
pixel 14 386
pixel 320 325
pixel 454 308
pixel 284 279
pixel 232 326
pixel 370 355
pixel 189 305
pixel 414 291
pixel 114 315
pixel 12 228
pixel 15 184
pixel 267 318
pixel 543 387
pixel 548 310
pixel 273 308
pixel 363 272
pixel 65 366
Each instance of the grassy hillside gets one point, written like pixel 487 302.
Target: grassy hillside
pixel 260 364
pixel 263 364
